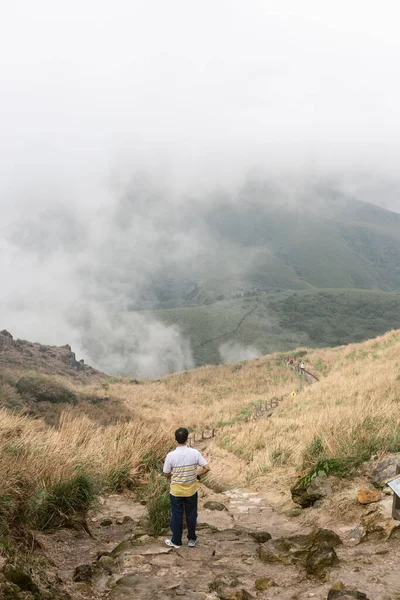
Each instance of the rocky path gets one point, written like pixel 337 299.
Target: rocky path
pixel 235 558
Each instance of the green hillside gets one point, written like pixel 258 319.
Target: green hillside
pixel 263 238
pixel 271 270
pixel 285 320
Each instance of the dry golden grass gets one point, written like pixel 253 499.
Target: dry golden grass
pixel 352 413
pixel 209 396
pixel 48 474
pixel 44 455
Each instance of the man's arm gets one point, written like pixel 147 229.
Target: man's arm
pixel 204 466
pixel 204 469
pixel 167 469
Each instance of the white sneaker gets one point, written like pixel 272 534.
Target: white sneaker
pixel 192 543
pixel 171 544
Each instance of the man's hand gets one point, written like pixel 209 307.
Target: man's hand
pixel 203 471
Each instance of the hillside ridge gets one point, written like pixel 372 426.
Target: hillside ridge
pixel 49 360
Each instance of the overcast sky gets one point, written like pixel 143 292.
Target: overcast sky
pixel 205 88
pixel 196 95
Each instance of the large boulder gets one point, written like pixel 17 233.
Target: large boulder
pixel 384 470
pixel 375 521
pixel 314 551
pixel 306 495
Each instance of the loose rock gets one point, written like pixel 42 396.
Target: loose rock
pixel 241 594
pixel 356 536
pixel 293 512
pixel 264 583
pixel 106 522
pixel 223 581
pixel 318 560
pixel 368 495
pixel 259 535
pixel 346 595
pixel 122 548
pixel 319 488
pixel 375 521
pixel 212 505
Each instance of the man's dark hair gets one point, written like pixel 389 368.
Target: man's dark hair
pixel 181 435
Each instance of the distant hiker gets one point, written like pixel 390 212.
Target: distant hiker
pixel 181 466
pixel 291 361
pixel 302 368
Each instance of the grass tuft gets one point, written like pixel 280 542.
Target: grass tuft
pixel 158 504
pixel 53 507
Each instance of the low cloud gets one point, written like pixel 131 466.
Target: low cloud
pixel 234 352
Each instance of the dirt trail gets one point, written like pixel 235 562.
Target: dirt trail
pixel 229 333
pixel 225 560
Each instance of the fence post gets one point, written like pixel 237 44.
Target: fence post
pixel 396 500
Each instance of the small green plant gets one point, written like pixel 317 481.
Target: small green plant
pixel 314 452
pixel 331 466
pixel 320 366
pixel 158 504
pixel 153 460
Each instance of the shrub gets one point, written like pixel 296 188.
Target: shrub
pixel 40 388
pixel 118 479
pixel 158 504
pixel 52 507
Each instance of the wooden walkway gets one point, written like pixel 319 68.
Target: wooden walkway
pixel 262 410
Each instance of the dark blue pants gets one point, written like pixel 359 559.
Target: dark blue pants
pixel 179 506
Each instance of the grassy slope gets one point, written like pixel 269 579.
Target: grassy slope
pixel 285 320
pixel 265 239
pixel 351 414
pixel 324 240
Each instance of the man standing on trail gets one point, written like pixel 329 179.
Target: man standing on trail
pixel 302 367
pixel 181 466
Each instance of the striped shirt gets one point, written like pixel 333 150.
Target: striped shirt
pixel 182 464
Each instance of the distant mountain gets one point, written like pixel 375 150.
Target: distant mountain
pixel 265 239
pixel 233 330
pixel 315 267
